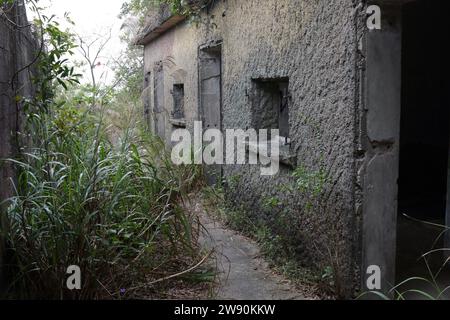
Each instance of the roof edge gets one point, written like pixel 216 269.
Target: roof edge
pixel 159 30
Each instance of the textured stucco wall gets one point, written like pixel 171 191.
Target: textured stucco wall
pixel 314 43
pixel 17 50
pixel 177 51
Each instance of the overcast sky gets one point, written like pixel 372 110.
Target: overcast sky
pixel 92 17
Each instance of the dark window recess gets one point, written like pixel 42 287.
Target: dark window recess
pixel 178 101
pixel 270 105
pixel 146 98
pixel 159 117
pixel 147 80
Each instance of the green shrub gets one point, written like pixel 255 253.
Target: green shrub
pixel 113 211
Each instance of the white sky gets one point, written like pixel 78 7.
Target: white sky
pixel 92 17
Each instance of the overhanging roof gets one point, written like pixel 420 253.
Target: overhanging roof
pixel 154 31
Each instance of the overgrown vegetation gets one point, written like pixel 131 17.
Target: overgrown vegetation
pixel 113 209
pixel 432 285
pixel 277 227
pixel 191 9
pixel 277 251
pixel 93 189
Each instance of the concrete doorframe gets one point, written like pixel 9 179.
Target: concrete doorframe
pixel 447 215
pixel 210 79
pixel 382 99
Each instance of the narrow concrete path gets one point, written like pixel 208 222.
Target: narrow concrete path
pixel 243 274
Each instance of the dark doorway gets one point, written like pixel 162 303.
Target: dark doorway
pixel 424 142
pixel 210 73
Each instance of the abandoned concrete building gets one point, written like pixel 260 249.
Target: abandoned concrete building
pixel 366 107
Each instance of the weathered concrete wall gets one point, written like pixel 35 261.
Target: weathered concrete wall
pixel 176 51
pixel 314 44
pixel 18 49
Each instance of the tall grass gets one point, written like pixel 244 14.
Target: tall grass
pixel 424 287
pixel 112 210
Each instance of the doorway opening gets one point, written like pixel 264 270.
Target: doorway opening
pixel 424 139
pixel 159 99
pixel 210 78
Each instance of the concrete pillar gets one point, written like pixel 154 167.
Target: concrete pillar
pixel 383 109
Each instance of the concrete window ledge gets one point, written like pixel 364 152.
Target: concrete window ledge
pixel 287 157
pixel 180 123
